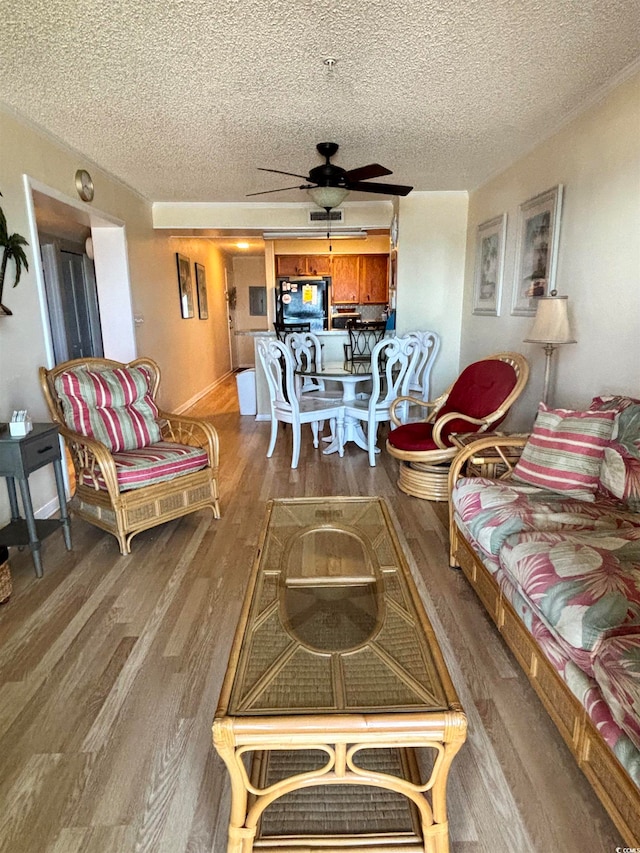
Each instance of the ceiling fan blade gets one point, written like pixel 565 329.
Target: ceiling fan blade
pixel 373 170
pixel 280 190
pixel 389 189
pixel 278 172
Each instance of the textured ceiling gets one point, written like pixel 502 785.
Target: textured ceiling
pixel 183 99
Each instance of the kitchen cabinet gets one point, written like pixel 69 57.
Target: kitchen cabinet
pixel 345 279
pixel 318 265
pixel 303 264
pixel 355 279
pixel 374 279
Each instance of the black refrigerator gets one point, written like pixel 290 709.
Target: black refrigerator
pixel 303 300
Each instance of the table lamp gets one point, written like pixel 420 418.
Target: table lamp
pixel 551 328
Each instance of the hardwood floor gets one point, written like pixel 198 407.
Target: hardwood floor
pixel 110 669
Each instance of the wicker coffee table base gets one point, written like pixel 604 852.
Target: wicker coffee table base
pixel 346 745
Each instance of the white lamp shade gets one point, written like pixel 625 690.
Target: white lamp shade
pixel 551 325
pixel 328 197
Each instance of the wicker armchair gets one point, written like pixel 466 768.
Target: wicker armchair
pixel 478 400
pixel 125 491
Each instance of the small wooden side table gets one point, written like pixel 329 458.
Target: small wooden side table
pixel 19 457
pixel 487 462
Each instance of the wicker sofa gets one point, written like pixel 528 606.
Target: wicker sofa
pixel 560 577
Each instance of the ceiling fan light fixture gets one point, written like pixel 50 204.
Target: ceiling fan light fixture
pixel 327 197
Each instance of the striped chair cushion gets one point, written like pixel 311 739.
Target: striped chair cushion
pixel 564 452
pixel 152 464
pixel 112 406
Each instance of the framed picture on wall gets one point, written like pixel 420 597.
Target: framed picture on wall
pixel 537 249
pixel 201 287
pixel 185 285
pixel 487 288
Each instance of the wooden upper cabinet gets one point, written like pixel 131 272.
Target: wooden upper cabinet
pixel 374 279
pixel 344 279
pixel 289 265
pixel 318 265
pixel 355 279
pixel 303 264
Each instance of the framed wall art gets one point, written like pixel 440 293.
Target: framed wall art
pixel 185 285
pixel 487 288
pixel 537 249
pixel 201 287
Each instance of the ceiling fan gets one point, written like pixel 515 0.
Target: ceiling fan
pixel 329 185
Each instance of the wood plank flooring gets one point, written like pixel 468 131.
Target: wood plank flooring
pixel 110 669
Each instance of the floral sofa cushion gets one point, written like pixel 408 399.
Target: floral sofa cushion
pixel 153 464
pixel 620 472
pixel 584 586
pixel 114 406
pixel 587 690
pixel 617 670
pixel 493 510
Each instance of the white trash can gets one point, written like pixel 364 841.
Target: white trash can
pixel 246 382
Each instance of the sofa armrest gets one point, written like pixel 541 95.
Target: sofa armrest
pixel 507 449
pixel 193 432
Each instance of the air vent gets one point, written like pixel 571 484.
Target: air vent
pixel 335 215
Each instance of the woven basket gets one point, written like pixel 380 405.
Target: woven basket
pixel 5 575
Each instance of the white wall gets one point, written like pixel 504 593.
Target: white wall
pixel 431 247
pixel 247 272
pixel 597 159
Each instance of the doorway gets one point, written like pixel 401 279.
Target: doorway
pixel 72 297
pixel 107 325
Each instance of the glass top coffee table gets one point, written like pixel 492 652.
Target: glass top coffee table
pixel 337 719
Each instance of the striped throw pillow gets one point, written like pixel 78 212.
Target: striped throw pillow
pixel 113 406
pixel 564 452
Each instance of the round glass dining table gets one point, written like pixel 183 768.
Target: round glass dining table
pixel 348 373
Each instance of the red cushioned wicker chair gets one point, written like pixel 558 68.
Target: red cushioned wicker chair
pixel 136 466
pixel 479 399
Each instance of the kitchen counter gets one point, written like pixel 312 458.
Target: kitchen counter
pixel 261 333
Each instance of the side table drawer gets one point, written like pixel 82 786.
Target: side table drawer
pixel 41 451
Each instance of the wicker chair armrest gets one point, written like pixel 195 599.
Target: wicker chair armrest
pixel 413 401
pixel 191 431
pixel 490 442
pixel 442 422
pixel 87 454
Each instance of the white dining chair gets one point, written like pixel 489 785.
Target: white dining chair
pixel 419 384
pixel 279 366
pixel 392 364
pixel 420 379
pixel 307 354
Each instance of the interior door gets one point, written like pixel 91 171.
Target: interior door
pixel 72 298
